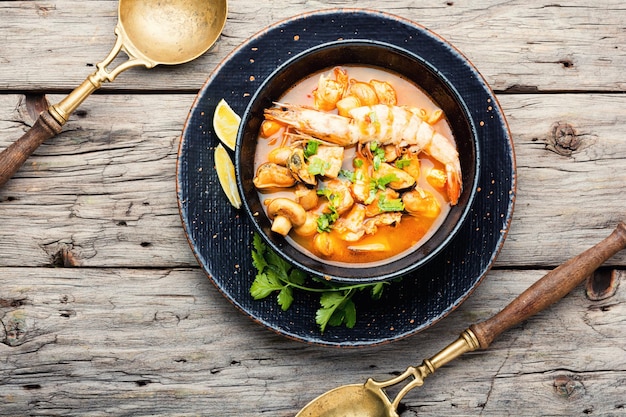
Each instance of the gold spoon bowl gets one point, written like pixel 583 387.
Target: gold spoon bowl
pixel 371 399
pixel 174 32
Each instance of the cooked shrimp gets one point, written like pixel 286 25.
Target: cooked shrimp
pixel 385 92
pixel 362 184
pixel 329 91
pixel 342 200
pixel 382 123
pixel 440 148
pixel 350 226
pixel 403 179
pixel 332 157
pixel 329 127
pixel 363 91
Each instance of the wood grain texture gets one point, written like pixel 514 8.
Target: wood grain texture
pixel 104 310
pixel 518 46
pixel 166 343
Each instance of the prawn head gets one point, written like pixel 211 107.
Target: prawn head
pixel 332 128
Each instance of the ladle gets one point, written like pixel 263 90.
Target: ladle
pixel 172 32
pixel 371 400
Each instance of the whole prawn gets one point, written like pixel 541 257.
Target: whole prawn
pixel 385 124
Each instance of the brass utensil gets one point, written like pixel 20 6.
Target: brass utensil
pixel 172 32
pixel 371 400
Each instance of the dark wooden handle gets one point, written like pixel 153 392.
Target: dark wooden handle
pixel 551 288
pixel 12 158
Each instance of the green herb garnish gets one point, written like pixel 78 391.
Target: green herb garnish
pixel 382 182
pixel 325 221
pixel 370 197
pixel 390 204
pixel 403 162
pixel 311 148
pixel 276 276
pixel 317 166
pixel 378 154
pixel 349 175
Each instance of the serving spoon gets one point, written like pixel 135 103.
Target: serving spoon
pixel 171 32
pixel 371 400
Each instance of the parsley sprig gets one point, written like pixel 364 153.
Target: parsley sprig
pixel 277 276
pixel 325 221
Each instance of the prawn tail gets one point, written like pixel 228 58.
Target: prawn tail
pixel 454 184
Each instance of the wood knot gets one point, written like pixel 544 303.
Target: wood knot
pixel 564 140
pixel 15 327
pixel 13 302
pixel 62 255
pixel 568 387
pixel 65 258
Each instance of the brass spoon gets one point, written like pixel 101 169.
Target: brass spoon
pixel 371 400
pixel 172 32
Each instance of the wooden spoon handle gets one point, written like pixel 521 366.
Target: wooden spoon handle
pixel 12 158
pixel 551 288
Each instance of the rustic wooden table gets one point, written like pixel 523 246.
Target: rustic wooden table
pixel 105 311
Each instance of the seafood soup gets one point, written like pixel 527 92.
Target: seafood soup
pixel 356 165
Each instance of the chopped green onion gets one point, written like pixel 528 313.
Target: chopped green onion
pixel 393 204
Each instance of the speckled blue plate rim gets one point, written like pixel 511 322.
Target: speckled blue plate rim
pixel 220 236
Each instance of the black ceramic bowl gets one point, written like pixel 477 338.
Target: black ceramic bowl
pixel 378 55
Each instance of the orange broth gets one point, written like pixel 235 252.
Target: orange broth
pixel 411 230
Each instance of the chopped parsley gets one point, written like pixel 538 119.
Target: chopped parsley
pixel 349 175
pixel 326 220
pixel 390 204
pixel 311 148
pixel 317 166
pixel 370 197
pixel 382 182
pixel 276 276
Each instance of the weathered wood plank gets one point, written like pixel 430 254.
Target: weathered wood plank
pixel 104 311
pixel 569 148
pixel 536 46
pixel 90 187
pixel 87 178
pixel 166 343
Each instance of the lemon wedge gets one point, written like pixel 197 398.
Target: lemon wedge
pixel 226 123
pixel 226 174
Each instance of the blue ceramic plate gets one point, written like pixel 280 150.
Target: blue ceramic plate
pixel 221 236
